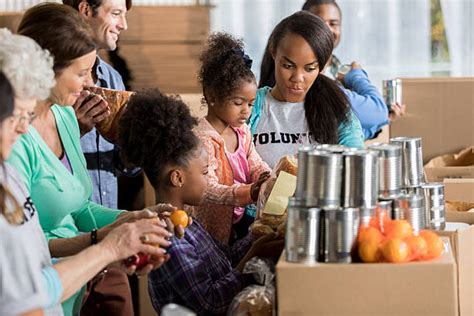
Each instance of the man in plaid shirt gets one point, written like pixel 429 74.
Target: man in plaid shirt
pixel 204 274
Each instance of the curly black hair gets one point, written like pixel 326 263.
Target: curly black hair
pixel 222 69
pixel 156 132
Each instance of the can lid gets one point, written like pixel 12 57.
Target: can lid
pixel 337 149
pixel 403 140
pixel 432 185
pixel 305 148
pixel 387 150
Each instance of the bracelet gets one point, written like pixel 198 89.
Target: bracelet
pixel 94 236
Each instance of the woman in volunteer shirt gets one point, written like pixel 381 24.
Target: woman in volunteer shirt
pixel 302 106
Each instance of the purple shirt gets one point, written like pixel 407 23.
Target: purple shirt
pixel 200 273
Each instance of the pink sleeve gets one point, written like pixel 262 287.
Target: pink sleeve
pixel 216 193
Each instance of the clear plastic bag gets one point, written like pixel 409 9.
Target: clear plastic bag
pixel 256 300
pixel 268 223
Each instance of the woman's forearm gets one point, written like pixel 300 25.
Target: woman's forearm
pixel 76 271
pixel 65 247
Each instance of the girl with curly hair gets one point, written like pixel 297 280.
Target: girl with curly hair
pixel 156 134
pixel 236 171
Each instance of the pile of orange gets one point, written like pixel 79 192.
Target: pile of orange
pixel 386 240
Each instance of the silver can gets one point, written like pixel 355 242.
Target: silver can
pixel 392 91
pixel 324 177
pixel 302 178
pixel 365 215
pixel 302 233
pixel 390 169
pixel 412 161
pixel 434 205
pixel 360 179
pixel 411 208
pixel 339 234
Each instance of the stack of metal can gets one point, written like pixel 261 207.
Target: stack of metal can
pixel 339 188
pixel 335 185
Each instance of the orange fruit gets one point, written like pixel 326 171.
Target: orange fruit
pixel 434 243
pixel 399 228
pixel 369 251
pixel 369 234
pixel 395 250
pixel 418 247
pixel 179 217
pixel 374 222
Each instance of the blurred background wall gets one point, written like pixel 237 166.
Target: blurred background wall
pixel 390 38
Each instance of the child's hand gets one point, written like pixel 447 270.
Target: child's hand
pixel 255 189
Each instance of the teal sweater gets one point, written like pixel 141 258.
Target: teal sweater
pixel 62 198
pixel 350 133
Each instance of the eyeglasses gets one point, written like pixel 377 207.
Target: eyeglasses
pixel 21 118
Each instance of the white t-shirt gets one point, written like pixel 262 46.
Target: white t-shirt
pixel 281 130
pixel 23 254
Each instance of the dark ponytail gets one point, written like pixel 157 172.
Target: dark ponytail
pixel 326 105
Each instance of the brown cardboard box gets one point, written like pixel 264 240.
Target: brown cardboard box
pixel 462 242
pixel 458 165
pixel 440 111
pixel 459 190
pixel 418 288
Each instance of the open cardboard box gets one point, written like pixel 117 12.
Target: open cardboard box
pixel 462 242
pixel 440 111
pixel 459 190
pixel 460 165
pixel 414 288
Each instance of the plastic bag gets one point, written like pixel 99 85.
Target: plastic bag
pixel 268 223
pixel 256 300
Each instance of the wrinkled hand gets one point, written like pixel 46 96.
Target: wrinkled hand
pixel 268 246
pixel 396 111
pixel 90 110
pixel 255 188
pixel 164 212
pixel 129 239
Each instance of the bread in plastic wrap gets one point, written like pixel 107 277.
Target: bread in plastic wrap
pixel 268 223
pixel 256 300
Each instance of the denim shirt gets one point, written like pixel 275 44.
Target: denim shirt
pixel 101 156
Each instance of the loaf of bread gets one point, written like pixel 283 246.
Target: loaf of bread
pixel 117 101
pixel 287 164
pixel 254 300
pixel 275 222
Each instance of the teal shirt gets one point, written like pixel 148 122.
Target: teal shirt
pixel 62 198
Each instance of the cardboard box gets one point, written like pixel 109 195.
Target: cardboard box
pixel 440 111
pixel 458 165
pixel 415 288
pixel 459 190
pixel 462 242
